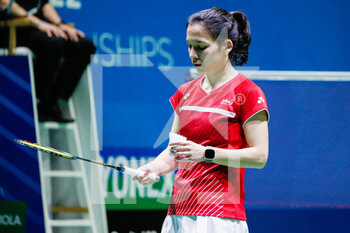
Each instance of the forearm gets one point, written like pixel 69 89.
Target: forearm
pixel 256 154
pixel 51 14
pixel 164 163
pixel 17 10
pixel 251 157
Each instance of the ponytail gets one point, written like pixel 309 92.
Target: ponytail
pixel 241 33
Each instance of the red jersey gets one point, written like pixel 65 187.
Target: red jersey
pixel 213 119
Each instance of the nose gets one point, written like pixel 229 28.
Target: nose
pixel 193 53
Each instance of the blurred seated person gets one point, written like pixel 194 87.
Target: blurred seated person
pixel 4 4
pixel 61 54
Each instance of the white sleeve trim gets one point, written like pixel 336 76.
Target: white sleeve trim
pixel 265 109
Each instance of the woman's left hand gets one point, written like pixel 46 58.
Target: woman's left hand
pixel 187 151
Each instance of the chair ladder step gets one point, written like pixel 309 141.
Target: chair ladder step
pixel 63 174
pixel 69 209
pixel 71 223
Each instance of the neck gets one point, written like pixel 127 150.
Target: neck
pixel 221 76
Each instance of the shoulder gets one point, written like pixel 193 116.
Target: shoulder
pixel 246 85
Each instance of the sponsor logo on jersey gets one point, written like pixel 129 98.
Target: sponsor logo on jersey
pixel 261 100
pixel 186 96
pixel 240 98
pixel 227 101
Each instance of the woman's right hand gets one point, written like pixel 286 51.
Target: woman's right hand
pixel 51 30
pixel 150 175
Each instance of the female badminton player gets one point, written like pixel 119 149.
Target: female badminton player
pixel 224 117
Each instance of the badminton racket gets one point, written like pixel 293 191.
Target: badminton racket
pixel 66 155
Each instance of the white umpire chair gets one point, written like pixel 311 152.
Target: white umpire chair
pixel 72 191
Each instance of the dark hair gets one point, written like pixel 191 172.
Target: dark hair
pixel 215 20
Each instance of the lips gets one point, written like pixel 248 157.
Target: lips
pixel 196 65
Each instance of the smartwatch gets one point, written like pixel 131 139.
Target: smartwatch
pixel 209 154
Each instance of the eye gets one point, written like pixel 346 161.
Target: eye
pixel 202 47
pixel 197 47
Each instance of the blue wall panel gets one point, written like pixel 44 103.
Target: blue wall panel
pixel 19 168
pixel 286 35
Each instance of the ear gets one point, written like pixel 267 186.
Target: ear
pixel 229 46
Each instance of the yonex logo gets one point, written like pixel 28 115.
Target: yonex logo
pixel 186 96
pixel 261 100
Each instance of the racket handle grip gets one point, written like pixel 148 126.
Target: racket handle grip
pixel 134 172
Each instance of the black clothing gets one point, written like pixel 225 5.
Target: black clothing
pixel 58 63
pixel 30 4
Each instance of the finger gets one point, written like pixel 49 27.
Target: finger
pixel 140 182
pixel 63 34
pixel 141 176
pixel 173 148
pixel 59 32
pixel 150 181
pixel 145 174
pixel 152 176
pixel 181 148
pixel 80 33
pixel 49 33
pixel 74 33
pixel 69 35
pixel 174 144
pixel 147 181
pixel 55 32
pixel 75 37
pixel 183 154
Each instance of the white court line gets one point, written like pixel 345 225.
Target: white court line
pixel 296 75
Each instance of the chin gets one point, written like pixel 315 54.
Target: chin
pixel 200 69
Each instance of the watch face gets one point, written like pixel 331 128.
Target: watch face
pixel 209 153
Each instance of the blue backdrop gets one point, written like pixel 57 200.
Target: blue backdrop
pixel 307 117
pixel 309 147
pixel 286 35
pixel 309 130
pixel 19 167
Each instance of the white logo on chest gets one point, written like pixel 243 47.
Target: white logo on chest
pixel 227 101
